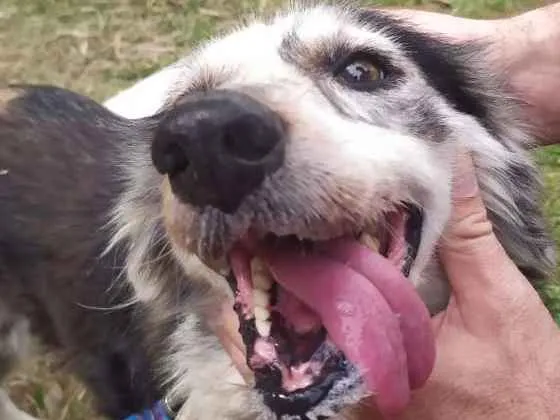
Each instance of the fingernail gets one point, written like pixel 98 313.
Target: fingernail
pixel 465 184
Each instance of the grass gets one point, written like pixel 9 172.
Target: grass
pixel 97 47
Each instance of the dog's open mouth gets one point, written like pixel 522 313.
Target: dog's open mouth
pixel 310 310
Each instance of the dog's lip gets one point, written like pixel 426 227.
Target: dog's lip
pixel 252 243
pixel 301 401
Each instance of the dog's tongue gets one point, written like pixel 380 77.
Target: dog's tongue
pixel 370 310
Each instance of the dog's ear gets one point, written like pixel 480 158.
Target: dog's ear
pixel 513 198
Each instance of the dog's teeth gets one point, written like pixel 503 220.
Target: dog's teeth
pixel 263 327
pixel 261 298
pixel 261 314
pixel 261 277
pixel 262 281
pixel 370 241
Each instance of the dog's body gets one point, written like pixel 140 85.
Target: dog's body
pixel 56 193
pixel 82 206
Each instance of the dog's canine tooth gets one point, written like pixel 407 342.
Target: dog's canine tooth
pixel 261 298
pixel 372 242
pixel 263 327
pixel 261 276
pixel 262 281
pixel 261 314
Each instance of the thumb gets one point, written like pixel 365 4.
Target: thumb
pixel 475 261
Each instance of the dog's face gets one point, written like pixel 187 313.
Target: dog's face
pixel 306 162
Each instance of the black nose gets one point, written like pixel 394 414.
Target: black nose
pixel 218 147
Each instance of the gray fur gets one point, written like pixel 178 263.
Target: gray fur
pixel 56 192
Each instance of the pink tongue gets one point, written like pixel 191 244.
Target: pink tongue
pixel 370 311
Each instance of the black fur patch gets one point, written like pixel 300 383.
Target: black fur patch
pixel 440 62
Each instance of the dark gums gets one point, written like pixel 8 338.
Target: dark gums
pixel 230 278
pixel 413 235
pixel 299 403
pixel 269 378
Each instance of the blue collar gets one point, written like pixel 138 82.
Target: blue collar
pixel 159 411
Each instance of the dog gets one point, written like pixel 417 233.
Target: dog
pixel 296 170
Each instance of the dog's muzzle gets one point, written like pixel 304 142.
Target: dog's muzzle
pixel 218 147
pixel 320 318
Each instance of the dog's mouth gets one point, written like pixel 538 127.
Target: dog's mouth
pixel 312 312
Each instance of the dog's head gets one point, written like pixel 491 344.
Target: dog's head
pixel 306 162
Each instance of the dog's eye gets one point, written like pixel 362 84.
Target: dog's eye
pixel 360 73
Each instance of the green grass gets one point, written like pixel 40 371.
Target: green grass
pixel 97 47
pixel 549 161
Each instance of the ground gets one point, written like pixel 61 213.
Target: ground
pixel 97 47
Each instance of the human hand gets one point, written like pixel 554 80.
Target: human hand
pixel 452 28
pixel 497 345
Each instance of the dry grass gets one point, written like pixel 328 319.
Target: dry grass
pixel 97 47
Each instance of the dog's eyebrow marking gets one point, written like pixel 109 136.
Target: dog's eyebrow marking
pixel 316 56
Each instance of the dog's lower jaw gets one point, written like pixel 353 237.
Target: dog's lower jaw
pixel 207 385
pixel 210 385
pixel 222 397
